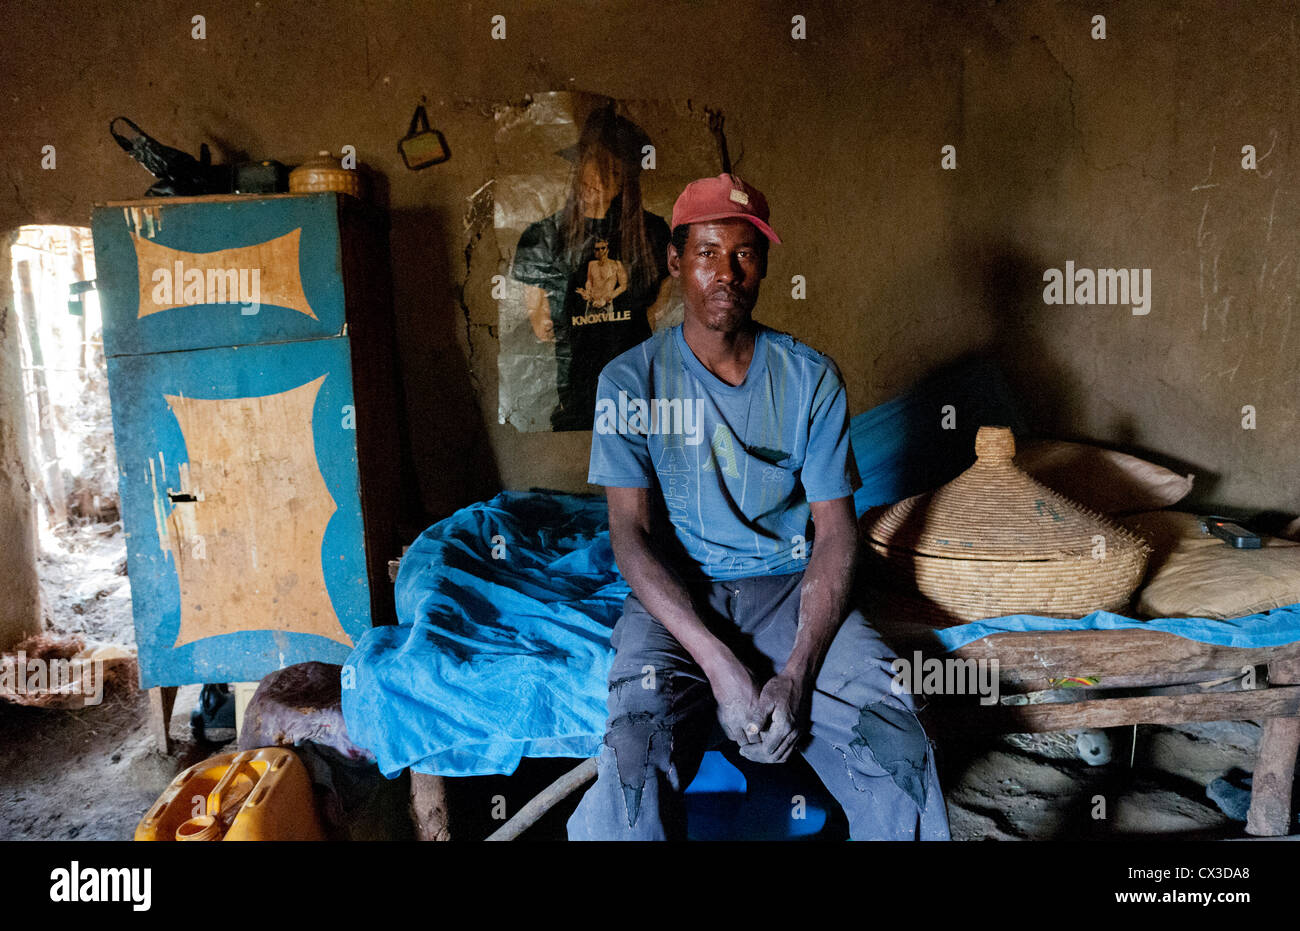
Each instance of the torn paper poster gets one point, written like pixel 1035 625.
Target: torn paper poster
pixel 583 192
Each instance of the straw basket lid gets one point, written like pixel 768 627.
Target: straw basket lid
pixel 994 511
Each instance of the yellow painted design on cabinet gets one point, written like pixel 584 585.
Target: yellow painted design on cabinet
pixel 279 280
pixel 247 548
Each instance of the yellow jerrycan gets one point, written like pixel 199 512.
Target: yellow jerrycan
pixel 247 795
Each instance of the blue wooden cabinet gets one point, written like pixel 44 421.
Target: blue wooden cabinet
pixel 251 374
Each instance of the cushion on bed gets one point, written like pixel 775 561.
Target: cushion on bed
pixel 1193 574
pixel 1105 480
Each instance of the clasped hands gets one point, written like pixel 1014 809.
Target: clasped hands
pixel 766 723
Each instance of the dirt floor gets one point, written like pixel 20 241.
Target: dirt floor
pixel 91 774
pixel 1035 786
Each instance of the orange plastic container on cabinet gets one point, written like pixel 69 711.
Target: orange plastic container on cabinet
pixel 249 795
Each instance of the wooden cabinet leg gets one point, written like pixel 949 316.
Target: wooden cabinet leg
pixel 161 701
pixel 243 695
pixel 1270 789
pixel 429 806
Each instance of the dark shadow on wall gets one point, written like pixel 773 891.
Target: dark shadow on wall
pixel 1011 290
pixel 925 436
pixel 451 456
pixel 1049 396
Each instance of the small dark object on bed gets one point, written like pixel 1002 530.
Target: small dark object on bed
pixel 1232 533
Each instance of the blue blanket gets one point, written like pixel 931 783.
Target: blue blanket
pixel 502 649
pixel 1268 629
pixel 502 652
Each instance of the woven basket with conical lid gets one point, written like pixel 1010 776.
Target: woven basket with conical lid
pixel 993 541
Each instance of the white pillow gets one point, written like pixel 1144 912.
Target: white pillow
pixel 1102 479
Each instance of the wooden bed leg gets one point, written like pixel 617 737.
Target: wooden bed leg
pixel 429 806
pixel 161 701
pixel 1270 796
pixel 1270 793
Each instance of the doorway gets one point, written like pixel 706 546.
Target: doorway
pixel 73 472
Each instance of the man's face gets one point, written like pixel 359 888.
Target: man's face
pixel 720 271
pixel 602 250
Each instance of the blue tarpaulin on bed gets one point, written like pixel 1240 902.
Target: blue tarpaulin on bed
pixel 503 650
pixel 1267 629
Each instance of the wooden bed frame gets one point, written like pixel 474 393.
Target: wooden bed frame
pixel 1168 673
pixel 1163 678
pixel 1121 661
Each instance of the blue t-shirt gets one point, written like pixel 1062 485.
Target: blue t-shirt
pixel 736 465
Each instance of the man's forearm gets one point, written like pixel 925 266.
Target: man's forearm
pixel 666 597
pixel 823 604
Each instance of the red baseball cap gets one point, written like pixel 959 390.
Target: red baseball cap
pixel 721 198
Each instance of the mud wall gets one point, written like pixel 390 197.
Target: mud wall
pixel 1122 152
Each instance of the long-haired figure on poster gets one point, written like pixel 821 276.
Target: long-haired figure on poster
pixel 596 272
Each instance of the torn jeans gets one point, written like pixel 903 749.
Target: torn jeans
pixel 864 741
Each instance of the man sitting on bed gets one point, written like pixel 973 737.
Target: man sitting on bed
pixel 723 445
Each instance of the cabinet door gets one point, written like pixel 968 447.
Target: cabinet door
pixel 239 490
pixel 194 274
